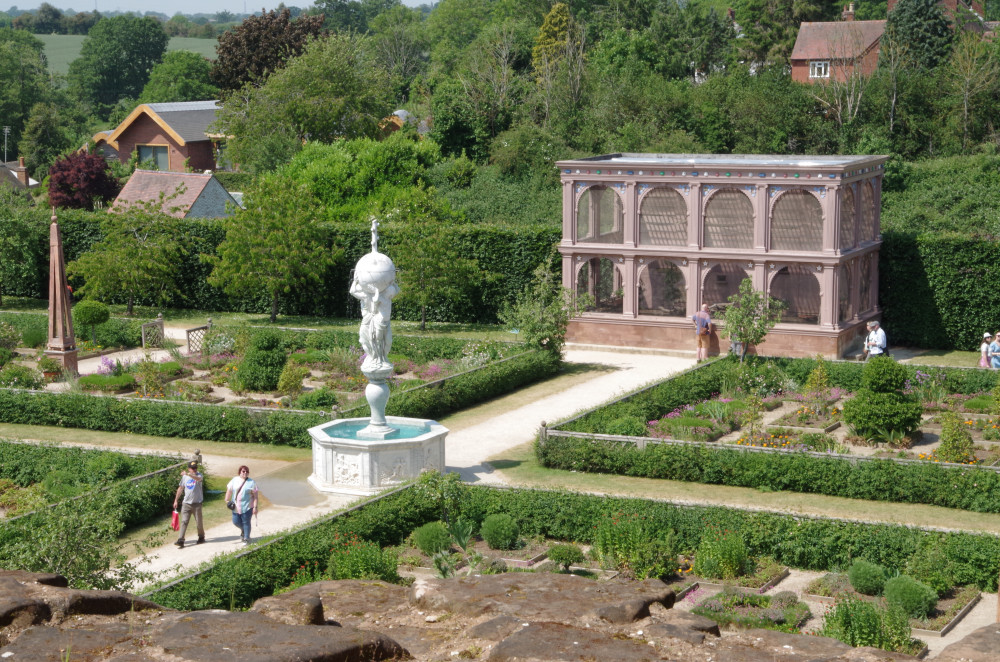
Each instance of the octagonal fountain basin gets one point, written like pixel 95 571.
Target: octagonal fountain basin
pixel 350 458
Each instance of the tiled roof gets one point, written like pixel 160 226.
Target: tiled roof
pixel 836 40
pixel 187 121
pixel 146 185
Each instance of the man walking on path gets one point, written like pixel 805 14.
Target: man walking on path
pixel 875 344
pixel 192 487
pixel 703 330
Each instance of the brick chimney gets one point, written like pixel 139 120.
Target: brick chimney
pixel 21 172
pixel 848 13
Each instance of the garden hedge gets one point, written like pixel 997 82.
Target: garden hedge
pixel 239 424
pixel 26 463
pixel 963 487
pixel 510 254
pixel 801 542
pixel 116 332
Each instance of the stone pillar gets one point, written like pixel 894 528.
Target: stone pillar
pixel 874 282
pixel 693 276
pixel 630 215
pixel 630 288
pixel 569 213
pixel 831 220
pixel 854 266
pixel 761 219
pixel 695 231
pixel 830 301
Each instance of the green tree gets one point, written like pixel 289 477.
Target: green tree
pixel 23 70
pixel 181 76
pixel 749 316
pixel 115 60
pixel 432 269
pixel 335 89
pixel 923 27
pixel 46 138
pixel 19 238
pixel 550 44
pixel 90 313
pixel 972 76
pixel 400 44
pixel 770 28
pixel 139 255
pixel 542 312
pixel 48 20
pixel 275 244
pixel 260 45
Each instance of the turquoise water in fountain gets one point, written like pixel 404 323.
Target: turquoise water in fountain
pixel 350 430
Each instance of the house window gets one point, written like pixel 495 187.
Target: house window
pixel 819 69
pixel 158 154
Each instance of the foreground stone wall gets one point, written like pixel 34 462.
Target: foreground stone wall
pixel 517 616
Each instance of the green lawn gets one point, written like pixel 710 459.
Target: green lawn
pixel 61 49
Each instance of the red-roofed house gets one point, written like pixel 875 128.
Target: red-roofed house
pixel 835 50
pixel 202 196
pixel 172 135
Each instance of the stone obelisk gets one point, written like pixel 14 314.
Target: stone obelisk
pixel 62 341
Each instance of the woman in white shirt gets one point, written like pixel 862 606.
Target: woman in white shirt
pixel 242 493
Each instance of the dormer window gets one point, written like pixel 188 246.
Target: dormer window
pixel 819 69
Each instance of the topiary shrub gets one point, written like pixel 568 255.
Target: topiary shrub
pixel 261 367
pixel 956 441
pixel 930 565
pixel 500 531
pixel 290 380
pixel 432 538
pixel 881 374
pixel 90 314
pixel 565 555
pixel 913 597
pixel 321 398
pixel 867 577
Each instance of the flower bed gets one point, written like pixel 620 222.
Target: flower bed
pixel 808 418
pixel 951 607
pixel 764 574
pixel 790 439
pixel 783 612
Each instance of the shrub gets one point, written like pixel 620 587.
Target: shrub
pixel 107 383
pixel 867 577
pixel 10 337
pixel 956 441
pixel 860 623
pixel 5 356
pixel 565 555
pixel 500 531
pixel 432 538
pixel 262 365
pixel 930 565
pixel 882 374
pixel 13 375
pixel 915 598
pixel 90 313
pixel 321 398
pixel 290 381
pixel 872 414
pixel 627 426
pixel 722 554
pixel 354 558
pixel 783 599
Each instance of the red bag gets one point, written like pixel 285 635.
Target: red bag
pixel 175 522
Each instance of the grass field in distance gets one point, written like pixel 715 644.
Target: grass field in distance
pixel 61 49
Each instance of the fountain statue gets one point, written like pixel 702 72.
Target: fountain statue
pixel 363 456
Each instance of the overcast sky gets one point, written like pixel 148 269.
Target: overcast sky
pixel 172 7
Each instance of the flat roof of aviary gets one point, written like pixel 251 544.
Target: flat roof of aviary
pixel 730 160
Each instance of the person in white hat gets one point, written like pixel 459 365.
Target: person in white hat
pixel 984 351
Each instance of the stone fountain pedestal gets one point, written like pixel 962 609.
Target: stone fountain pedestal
pixel 348 459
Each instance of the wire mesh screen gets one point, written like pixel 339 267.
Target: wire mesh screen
pixel 721 282
pixel 599 278
pixel 599 216
pixel 868 231
pixel 844 294
pixel 797 222
pixel 865 284
pixel 847 218
pixel 798 288
pixel 729 220
pixel 663 218
pixel 662 290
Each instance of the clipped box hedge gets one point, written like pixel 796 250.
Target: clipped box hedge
pixel 801 542
pixel 239 424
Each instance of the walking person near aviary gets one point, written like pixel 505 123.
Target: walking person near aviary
pixel 192 488
pixel 241 498
pixel 875 343
pixel 702 330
